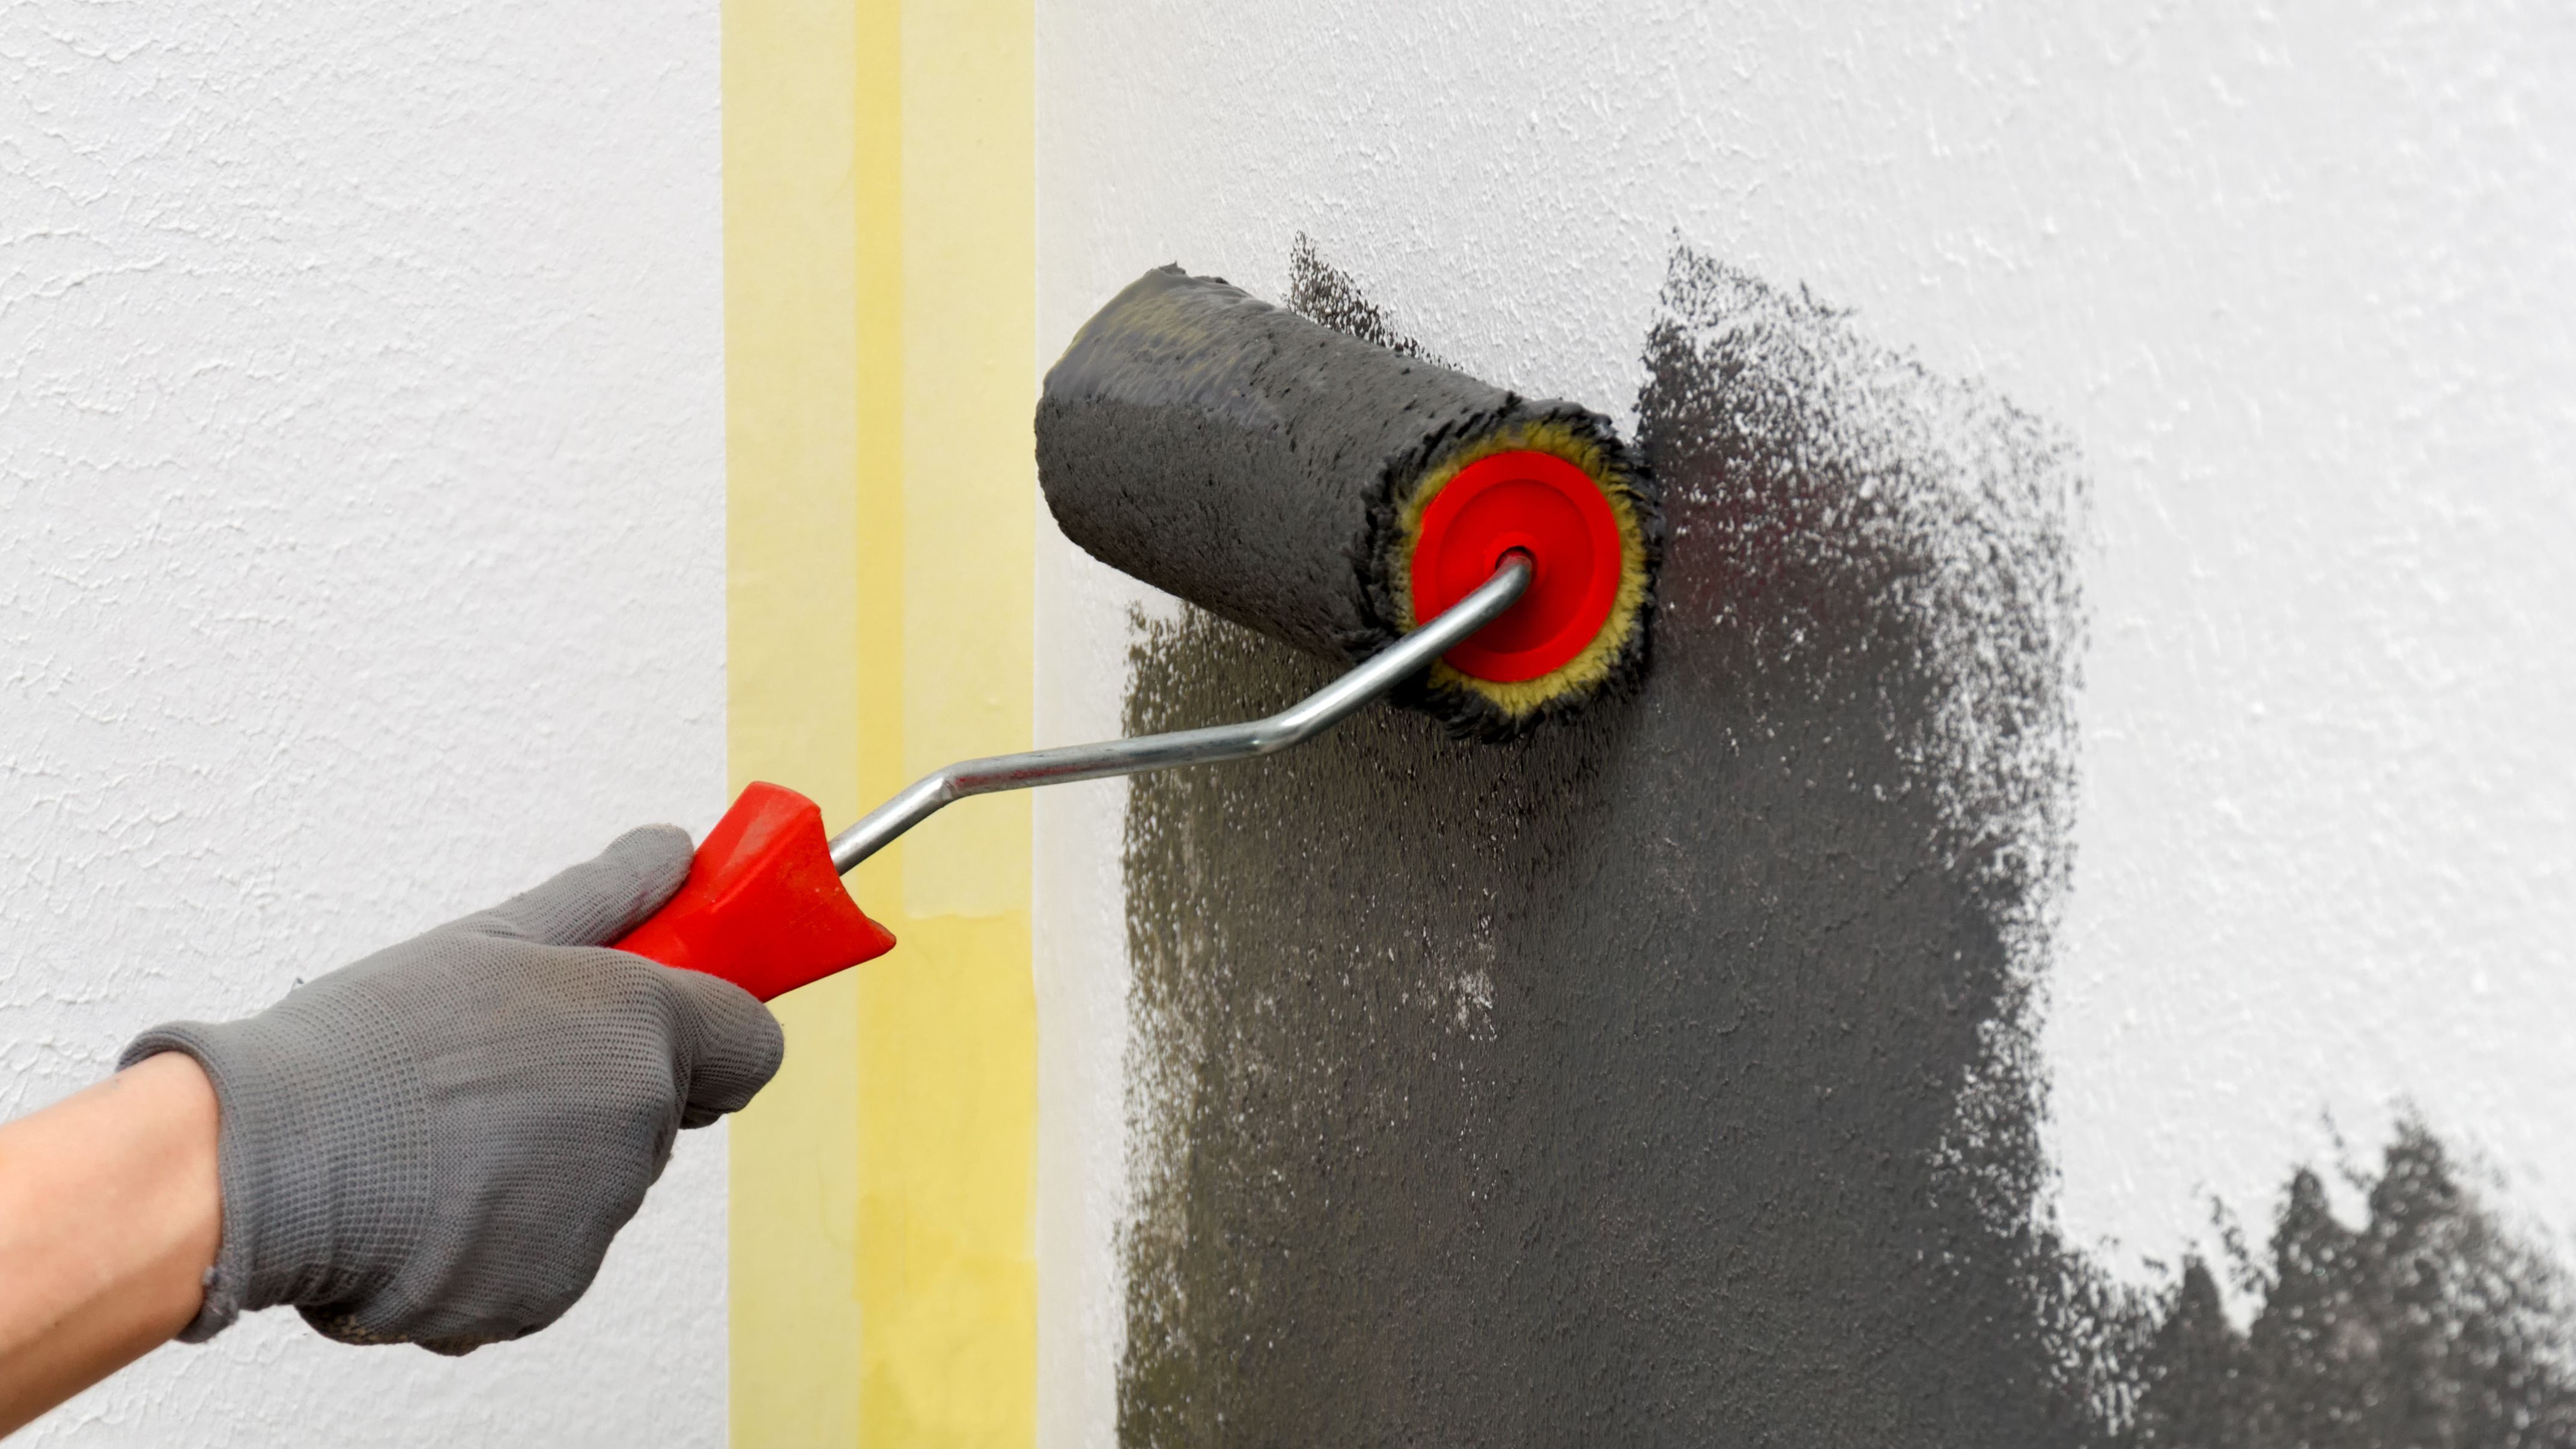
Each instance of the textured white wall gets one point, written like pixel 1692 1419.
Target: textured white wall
pixel 2299 282
pixel 361 561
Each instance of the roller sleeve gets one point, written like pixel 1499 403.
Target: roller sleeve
pixel 1279 473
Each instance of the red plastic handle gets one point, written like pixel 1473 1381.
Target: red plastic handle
pixel 763 907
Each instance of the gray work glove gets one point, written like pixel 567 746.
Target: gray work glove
pixel 435 1145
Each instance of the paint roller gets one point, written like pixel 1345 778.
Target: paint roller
pixel 1479 556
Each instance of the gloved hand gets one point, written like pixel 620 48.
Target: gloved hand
pixel 435 1145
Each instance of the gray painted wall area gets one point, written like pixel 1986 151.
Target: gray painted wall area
pixel 1668 1077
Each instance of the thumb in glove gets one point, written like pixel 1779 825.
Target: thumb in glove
pixel 436 1144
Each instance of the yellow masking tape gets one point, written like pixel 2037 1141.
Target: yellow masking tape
pixel 880 291
pixel 793 675
pixel 970 478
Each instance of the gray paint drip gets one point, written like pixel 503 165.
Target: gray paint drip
pixel 1666 1076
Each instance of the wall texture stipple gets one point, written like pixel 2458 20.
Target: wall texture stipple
pixel 1669 1077
pixel 362 563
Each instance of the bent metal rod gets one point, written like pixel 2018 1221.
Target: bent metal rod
pixel 1294 725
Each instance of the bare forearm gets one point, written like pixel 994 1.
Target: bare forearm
pixel 110 1212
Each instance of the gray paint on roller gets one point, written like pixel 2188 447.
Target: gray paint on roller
pixel 1668 1078
pixel 1241 455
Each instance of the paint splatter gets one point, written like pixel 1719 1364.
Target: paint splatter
pixel 1333 297
pixel 1668 1076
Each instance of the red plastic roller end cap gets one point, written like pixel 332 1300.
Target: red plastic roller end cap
pixel 763 908
pixel 1547 508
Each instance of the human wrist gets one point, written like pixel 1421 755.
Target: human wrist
pixel 179 1204
pixel 110 1213
pixel 322 1155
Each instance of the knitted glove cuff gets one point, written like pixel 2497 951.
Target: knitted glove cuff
pixel 316 1152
